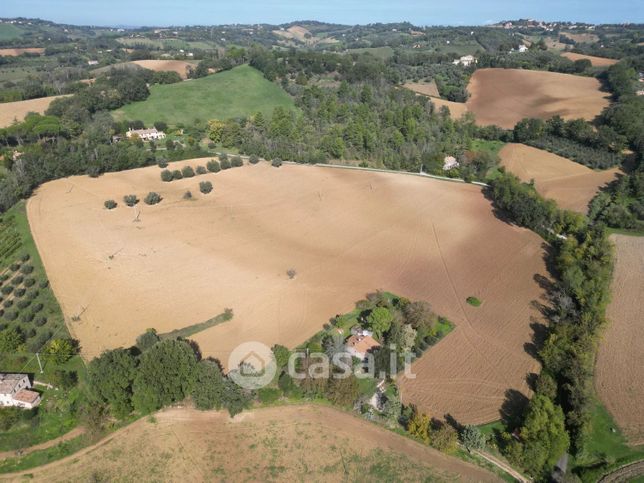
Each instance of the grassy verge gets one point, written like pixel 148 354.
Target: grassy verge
pixel 623 231
pixel 191 330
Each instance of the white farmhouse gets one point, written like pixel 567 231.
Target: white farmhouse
pixel 450 162
pixel 522 48
pixel 146 134
pixel 15 391
pixel 465 61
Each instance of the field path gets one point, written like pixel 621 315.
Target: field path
pixel 47 444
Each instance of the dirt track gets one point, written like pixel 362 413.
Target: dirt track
pixel 620 360
pixel 570 184
pixel 292 443
pixel 345 232
pixel 505 96
pixel 10 111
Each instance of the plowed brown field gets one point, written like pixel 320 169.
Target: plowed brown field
pixel 505 96
pixel 293 443
pixel 595 61
pixel 179 66
pixel 620 361
pixel 20 51
pixel 345 232
pixel 424 88
pixel 570 184
pixel 10 111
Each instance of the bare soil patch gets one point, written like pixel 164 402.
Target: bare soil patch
pixel 456 109
pixel 20 51
pixel 424 88
pixel 293 443
pixel 345 232
pixel 505 96
pixel 570 184
pixel 16 111
pixel 595 61
pixel 620 360
pixel 179 66
pixel 582 38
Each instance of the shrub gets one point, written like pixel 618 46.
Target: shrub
pixel 44 283
pixel 25 257
pixel 276 163
pixel 473 301
pixel 37 308
pixel 17 280
pixel 23 304
pixel 7 289
pixel 187 172
pixel 19 292
pixel 236 161
pixel 213 166
pixel 32 294
pixel 4 277
pixel 201 170
pixel 225 164
pixel 7 303
pixel 291 273
pixel 40 340
pixel 30 282
pixel 14 267
pixel 27 269
pixel 27 317
pixel 253 159
pixel 40 321
pixel 152 198
pixel 268 395
pixel 166 175
pixel 110 204
pixel 187 195
pixel 223 157
pixel 212 145
pixel 11 315
pixel 163 164
pixel 130 200
pixel 205 187
pixel 176 174
pixel 30 333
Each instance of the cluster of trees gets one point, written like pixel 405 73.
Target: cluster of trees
pixel 577 139
pixel 621 204
pixel 534 60
pixel 156 373
pixel 559 414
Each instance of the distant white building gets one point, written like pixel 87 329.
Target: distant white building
pixel 450 163
pixel 146 134
pixel 92 62
pixel 522 48
pixel 465 61
pixel 15 391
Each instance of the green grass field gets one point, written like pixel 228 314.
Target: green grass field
pixel 167 43
pixel 239 92
pixel 9 32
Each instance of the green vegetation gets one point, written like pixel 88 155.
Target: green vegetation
pixel 382 53
pixel 10 32
pixel 236 93
pixel 191 330
pixel 205 187
pixel 473 301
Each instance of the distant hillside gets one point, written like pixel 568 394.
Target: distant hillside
pixel 239 92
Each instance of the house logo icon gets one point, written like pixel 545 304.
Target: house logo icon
pixel 252 365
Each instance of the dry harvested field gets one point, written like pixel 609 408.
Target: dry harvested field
pixel 595 61
pixel 456 109
pixel 345 232
pixel 20 51
pixel 179 66
pixel 620 361
pixel 425 88
pixel 505 96
pixel 293 443
pixel 11 111
pixel 570 184
pixel 582 38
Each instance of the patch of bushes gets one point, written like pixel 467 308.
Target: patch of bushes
pixel 276 163
pixel 30 282
pixel 14 267
pixel 187 195
pixel 473 301
pixel 187 172
pixel 44 283
pixel 201 170
pixel 110 204
pixel 37 308
pixel 224 163
pixel 268 395
pixel 32 294
pixel 27 269
pixel 40 321
pixel 25 257
pixel 17 280
pixel 205 187
pixel 11 315
pixel 176 174
pixel 166 175
pixel 152 198
pixel 253 159
pixel 236 162
pixel 7 289
pixel 163 164
pixel 23 304
pixel 130 200
pixel 213 166
pixel 19 292
pixel 7 303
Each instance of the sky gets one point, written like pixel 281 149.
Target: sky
pixel 418 12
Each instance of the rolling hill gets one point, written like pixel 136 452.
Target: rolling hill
pixel 239 92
